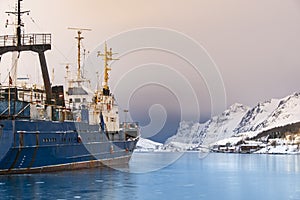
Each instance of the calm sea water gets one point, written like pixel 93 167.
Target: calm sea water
pixel 168 176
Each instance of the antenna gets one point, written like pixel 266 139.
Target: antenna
pixel 107 56
pixel 52 75
pixel 79 38
pixel 67 67
pixel 38 43
pixel 19 14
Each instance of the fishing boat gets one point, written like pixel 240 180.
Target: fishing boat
pixel 53 127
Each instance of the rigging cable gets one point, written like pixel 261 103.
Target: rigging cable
pixel 62 54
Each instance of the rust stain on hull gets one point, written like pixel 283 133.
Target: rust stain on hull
pixel 35 150
pixel 121 161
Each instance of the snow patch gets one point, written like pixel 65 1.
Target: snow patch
pixel 148 145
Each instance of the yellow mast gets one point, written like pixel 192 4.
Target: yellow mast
pixel 79 38
pixel 107 56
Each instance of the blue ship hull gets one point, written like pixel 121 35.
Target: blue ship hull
pixel 39 146
pixel 41 130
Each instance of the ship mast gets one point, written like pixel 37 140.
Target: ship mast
pixel 19 24
pixel 107 56
pixel 79 38
pixel 38 43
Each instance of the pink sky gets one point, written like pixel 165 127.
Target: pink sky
pixel 254 43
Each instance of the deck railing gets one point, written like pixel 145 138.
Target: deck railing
pixel 26 39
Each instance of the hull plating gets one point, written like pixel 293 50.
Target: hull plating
pixel 39 146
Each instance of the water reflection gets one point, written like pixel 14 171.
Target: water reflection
pixel 101 183
pixel 270 176
pixel 254 162
pixel 218 176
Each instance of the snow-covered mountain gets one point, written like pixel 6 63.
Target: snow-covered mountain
pixel 238 120
pixel 222 126
pixel 287 112
pixel 148 145
pixel 255 116
pixel 190 135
